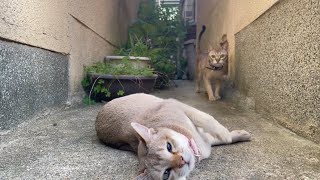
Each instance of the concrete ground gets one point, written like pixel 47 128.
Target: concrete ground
pixel 63 145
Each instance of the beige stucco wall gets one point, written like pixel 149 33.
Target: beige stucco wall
pixel 83 30
pixel 228 17
pixel 246 11
pixel 41 23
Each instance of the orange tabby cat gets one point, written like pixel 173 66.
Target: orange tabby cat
pixel 212 65
pixel 168 136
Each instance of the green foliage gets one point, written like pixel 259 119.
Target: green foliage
pixel 158 33
pixel 100 88
pixel 134 47
pixel 124 68
pixel 120 93
pixel 88 101
pixel 85 82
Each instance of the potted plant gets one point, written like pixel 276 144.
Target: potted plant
pixel 105 81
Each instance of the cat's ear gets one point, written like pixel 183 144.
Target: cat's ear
pixel 210 48
pixel 224 42
pixel 143 131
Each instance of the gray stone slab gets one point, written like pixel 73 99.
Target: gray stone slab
pixel 31 80
pixel 64 146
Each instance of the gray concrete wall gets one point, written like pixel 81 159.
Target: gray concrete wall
pixel 278 65
pixel 31 80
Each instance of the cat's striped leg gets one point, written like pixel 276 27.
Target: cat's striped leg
pixel 208 87
pixel 217 89
pixel 198 81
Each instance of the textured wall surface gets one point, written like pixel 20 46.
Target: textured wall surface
pixel 228 17
pixel 84 30
pixel 45 23
pixel 83 54
pixel 246 11
pixel 31 80
pixel 278 65
pixel 41 23
pixel 108 18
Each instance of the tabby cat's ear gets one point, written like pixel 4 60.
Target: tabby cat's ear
pixel 143 131
pixel 224 42
pixel 210 48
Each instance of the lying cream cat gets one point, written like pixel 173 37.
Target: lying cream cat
pixel 168 136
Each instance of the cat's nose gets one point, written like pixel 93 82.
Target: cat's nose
pixel 182 162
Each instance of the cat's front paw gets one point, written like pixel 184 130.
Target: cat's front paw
pixel 217 97
pixel 225 78
pixel 214 98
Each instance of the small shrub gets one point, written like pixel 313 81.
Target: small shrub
pixel 124 68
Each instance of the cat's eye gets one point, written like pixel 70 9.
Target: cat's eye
pixel 212 56
pixel 166 174
pixel 169 147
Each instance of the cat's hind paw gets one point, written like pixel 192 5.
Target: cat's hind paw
pixel 240 135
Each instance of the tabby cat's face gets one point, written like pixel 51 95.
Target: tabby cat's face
pixel 170 154
pixel 217 59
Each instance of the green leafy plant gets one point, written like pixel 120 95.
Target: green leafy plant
pixel 100 88
pixel 120 93
pixel 158 34
pixel 125 67
pixel 88 101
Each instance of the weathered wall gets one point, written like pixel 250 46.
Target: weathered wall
pixel 95 28
pixel 69 34
pixel 41 23
pixel 87 30
pixel 31 80
pixel 278 65
pixel 45 23
pixel 227 17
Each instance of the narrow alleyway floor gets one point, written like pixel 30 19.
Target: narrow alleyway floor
pixel 63 145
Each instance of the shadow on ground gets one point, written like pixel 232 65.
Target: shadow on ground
pixel 63 145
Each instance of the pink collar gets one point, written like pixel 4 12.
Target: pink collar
pixel 195 149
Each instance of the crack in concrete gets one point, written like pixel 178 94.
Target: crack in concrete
pixel 7 22
pixel 86 26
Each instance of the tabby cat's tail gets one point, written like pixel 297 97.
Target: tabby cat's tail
pixel 199 38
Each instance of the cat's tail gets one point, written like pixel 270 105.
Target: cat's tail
pixel 199 38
